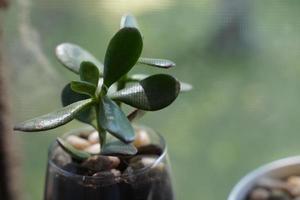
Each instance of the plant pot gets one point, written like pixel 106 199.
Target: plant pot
pixel 149 183
pixel 279 169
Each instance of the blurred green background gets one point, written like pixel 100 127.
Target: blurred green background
pixel 242 56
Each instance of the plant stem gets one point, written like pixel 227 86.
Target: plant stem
pixel 101 131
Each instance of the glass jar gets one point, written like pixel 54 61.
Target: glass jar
pixel 148 183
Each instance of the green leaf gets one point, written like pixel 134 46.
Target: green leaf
pixel 185 87
pixel 136 114
pixel 53 119
pixel 153 93
pixel 128 21
pixel 68 96
pixel 113 120
pixel 83 88
pixel 156 62
pixel 89 73
pixel 118 148
pixel 72 151
pixel 72 55
pixel 122 54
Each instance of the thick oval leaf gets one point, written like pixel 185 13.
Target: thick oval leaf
pixel 68 96
pixel 83 88
pixel 113 120
pixel 136 114
pixel 157 62
pixel 128 21
pixel 122 53
pixel 72 151
pixel 89 73
pixel 185 87
pixel 72 55
pixel 118 148
pixel 54 119
pixel 152 93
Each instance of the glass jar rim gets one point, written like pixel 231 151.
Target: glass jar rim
pixel 136 173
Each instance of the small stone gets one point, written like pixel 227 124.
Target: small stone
pixel 93 149
pixel 143 161
pixel 142 139
pixel 115 172
pixel 293 183
pixel 93 138
pixel 114 162
pixel 279 195
pixel 259 194
pixel 77 142
pixel 99 163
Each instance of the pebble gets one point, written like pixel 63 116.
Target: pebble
pixel 93 138
pixel 142 138
pixel 293 183
pixel 114 161
pixel 115 172
pixel 93 149
pixel 77 142
pixel 142 161
pixel 294 180
pixel 279 195
pixel 259 194
pixel 100 163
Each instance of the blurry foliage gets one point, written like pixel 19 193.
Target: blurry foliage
pixel 244 108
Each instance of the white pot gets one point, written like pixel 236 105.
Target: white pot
pixel 277 169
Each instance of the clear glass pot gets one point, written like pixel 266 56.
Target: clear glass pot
pixel 148 183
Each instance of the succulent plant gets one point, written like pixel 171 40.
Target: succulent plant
pixel 96 98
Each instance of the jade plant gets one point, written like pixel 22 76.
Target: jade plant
pixel 96 98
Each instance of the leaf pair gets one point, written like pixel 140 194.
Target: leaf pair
pixel 89 76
